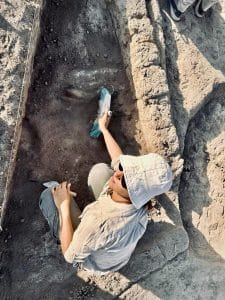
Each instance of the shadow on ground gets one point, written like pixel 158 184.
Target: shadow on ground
pixel 205 124
pixel 197 31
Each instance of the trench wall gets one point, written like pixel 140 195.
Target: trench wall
pixel 139 30
pixel 19 33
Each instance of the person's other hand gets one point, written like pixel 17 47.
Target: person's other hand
pixel 61 195
pixel 103 121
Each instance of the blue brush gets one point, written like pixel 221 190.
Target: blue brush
pixel 104 106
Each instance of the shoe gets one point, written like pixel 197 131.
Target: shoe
pixel 199 12
pixel 174 12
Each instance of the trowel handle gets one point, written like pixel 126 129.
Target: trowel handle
pixel 73 194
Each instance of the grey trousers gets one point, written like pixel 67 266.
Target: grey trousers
pixel 182 5
pixel 50 212
pixel 98 176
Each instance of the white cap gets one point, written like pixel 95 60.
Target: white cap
pixel 146 176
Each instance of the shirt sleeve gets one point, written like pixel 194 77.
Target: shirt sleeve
pixel 83 242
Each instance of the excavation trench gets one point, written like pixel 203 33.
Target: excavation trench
pixel 77 48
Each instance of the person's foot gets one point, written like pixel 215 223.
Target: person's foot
pixel 174 12
pixel 199 12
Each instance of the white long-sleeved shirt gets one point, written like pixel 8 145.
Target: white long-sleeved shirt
pixel 107 234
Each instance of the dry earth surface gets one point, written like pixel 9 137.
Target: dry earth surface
pixel 169 82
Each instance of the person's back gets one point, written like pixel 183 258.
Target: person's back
pixel 110 232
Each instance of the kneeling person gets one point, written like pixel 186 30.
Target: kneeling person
pixel 110 227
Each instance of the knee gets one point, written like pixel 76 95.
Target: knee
pixel 97 178
pixel 98 169
pixel 99 166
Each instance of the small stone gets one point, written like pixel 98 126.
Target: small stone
pixel 46 83
pixel 51 29
pixel 105 55
pixel 22 220
pixel 65 59
pixel 87 32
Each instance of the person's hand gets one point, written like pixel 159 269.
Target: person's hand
pixel 61 195
pixel 103 121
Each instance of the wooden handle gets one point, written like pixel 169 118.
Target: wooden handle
pixel 73 194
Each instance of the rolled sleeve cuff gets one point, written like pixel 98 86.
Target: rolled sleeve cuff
pixel 115 163
pixel 72 257
pixel 68 257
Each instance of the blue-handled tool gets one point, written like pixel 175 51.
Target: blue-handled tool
pixel 103 106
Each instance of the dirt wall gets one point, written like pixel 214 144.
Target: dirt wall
pixel 143 48
pixel 195 70
pixel 19 31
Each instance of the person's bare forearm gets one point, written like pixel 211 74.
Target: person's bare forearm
pixel 112 146
pixel 66 228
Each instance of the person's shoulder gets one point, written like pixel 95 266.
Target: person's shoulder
pixel 91 217
pixel 91 210
pixel 88 228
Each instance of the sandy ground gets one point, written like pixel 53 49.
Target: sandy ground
pixel 31 264
pixel 195 60
pixel 186 277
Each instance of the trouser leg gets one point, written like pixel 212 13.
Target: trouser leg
pixel 97 178
pixel 206 4
pixel 75 213
pixel 182 5
pixel 50 212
